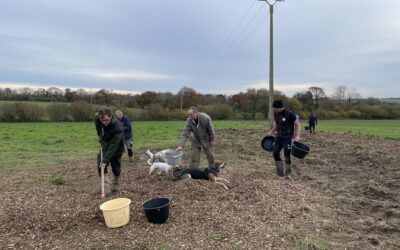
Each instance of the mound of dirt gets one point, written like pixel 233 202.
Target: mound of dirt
pixel 344 194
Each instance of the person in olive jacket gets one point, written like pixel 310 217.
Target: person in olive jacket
pixel 200 130
pixel 110 132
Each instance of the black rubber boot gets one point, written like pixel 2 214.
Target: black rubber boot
pixel 288 171
pixel 130 153
pixel 279 168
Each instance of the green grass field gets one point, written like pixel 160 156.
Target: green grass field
pixel 25 145
pixel 385 129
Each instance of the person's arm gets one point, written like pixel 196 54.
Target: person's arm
pixel 297 128
pixel 273 129
pixel 97 124
pixel 184 136
pixel 128 125
pixel 210 129
pixel 316 121
pixel 112 146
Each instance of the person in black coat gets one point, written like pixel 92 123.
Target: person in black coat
pixel 287 127
pixel 312 121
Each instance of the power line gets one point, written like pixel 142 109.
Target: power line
pixel 250 34
pixel 240 44
pixel 224 51
pixel 238 24
pixel 220 48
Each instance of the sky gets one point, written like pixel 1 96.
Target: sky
pixel 214 47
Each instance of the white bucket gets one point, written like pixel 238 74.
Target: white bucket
pixel 116 212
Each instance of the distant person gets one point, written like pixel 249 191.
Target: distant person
pixel 110 132
pixel 312 121
pixel 200 130
pixel 126 123
pixel 287 127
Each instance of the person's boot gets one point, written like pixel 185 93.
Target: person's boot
pixel 114 186
pixel 107 185
pixel 279 168
pixel 130 154
pixel 288 171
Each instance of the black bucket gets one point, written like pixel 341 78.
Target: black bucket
pixel 157 209
pixel 299 150
pixel 267 143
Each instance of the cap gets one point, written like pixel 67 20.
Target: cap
pixel 277 104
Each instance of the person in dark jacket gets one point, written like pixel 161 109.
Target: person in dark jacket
pixel 110 132
pixel 126 123
pixel 287 127
pixel 200 130
pixel 312 121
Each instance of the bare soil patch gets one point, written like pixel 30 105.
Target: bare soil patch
pixel 345 194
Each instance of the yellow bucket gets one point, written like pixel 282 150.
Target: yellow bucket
pixel 116 212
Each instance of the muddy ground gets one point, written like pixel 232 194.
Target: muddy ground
pixel 344 194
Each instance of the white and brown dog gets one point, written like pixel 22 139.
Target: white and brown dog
pixel 157 157
pixel 160 168
pixel 208 173
pixel 158 161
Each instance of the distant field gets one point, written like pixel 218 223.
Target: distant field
pixel 391 100
pixel 40 104
pixel 25 145
pixel 386 129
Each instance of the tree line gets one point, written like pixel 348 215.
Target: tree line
pixel 79 105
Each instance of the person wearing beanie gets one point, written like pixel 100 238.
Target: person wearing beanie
pixel 286 127
pixel 110 132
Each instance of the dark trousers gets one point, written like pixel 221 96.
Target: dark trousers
pixel 128 144
pixel 284 143
pixel 115 165
pixel 312 128
pixel 195 155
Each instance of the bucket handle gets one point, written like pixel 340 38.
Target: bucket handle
pixel 157 197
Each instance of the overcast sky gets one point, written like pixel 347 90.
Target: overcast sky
pixel 213 46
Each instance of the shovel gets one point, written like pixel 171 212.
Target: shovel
pixel 102 195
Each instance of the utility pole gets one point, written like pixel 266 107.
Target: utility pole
pixel 181 100
pixel 182 92
pixel 271 58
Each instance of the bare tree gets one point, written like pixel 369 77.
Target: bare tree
pixel 81 93
pixel 8 91
pixel 351 95
pixel 253 99
pixel 40 92
pixel 340 93
pixel 187 97
pixel 317 93
pixel 26 92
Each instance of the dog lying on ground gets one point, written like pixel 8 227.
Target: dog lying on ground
pixel 160 168
pixel 208 173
